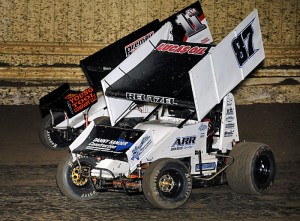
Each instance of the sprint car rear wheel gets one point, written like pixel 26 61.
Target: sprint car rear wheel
pixel 72 178
pixel 253 168
pixel 167 183
pixel 52 138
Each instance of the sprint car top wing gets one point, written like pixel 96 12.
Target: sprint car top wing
pixel 211 78
pixel 188 25
pixel 162 77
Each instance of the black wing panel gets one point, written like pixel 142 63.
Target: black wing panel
pixel 162 77
pixel 99 64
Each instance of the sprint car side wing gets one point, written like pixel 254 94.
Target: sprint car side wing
pixel 119 107
pixel 227 65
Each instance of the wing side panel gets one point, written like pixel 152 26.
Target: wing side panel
pixel 229 63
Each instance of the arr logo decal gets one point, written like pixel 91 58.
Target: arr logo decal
pixel 243 45
pixel 181 49
pixel 183 143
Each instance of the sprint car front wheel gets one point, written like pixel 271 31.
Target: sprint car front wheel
pixel 167 183
pixel 253 168
pixel 73 179
pixel 51 137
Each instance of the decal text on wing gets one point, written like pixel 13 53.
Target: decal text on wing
pixel 181 49
pixel 150 98
pixel 243 45
pixel 81 101
pixel 129 49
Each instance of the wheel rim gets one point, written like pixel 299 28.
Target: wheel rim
pixel 76 177
pixel 262 171
pixel 170 183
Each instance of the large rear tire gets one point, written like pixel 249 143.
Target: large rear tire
pixel 253 168
pixel 167 183
pixel 71 180
pixel 52 138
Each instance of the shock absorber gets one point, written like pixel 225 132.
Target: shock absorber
pixel 86 120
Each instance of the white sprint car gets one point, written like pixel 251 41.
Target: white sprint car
pixel 190 136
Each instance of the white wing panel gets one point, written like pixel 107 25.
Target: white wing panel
pixel 229 63
pixel 118 108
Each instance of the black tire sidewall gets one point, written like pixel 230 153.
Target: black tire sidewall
pixel 152 191
pixel 45 138
pixel 241 175
pixel 264 151
pixel 65 184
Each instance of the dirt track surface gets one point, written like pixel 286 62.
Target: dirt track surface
pixel 28 188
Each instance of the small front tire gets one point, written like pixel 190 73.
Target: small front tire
pixel 71 181
pixel 167 183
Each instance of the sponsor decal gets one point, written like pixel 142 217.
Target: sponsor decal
pixel 205 40
pixel 181 49
pixel 82 100
pixel 123 145
pixel 242 45
pixel 229 101
pixel 183 143
pixel 106 144
pixel 229 111
pixel 142 109
pixel 203 127
pixel 139 149
pixel 202 130
pixel 150 98
pixel 229 118
pixel 107 68
pixel 228 133
pixel 129 49
pixel 230 125
pixel 206 166
pixel 190 22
